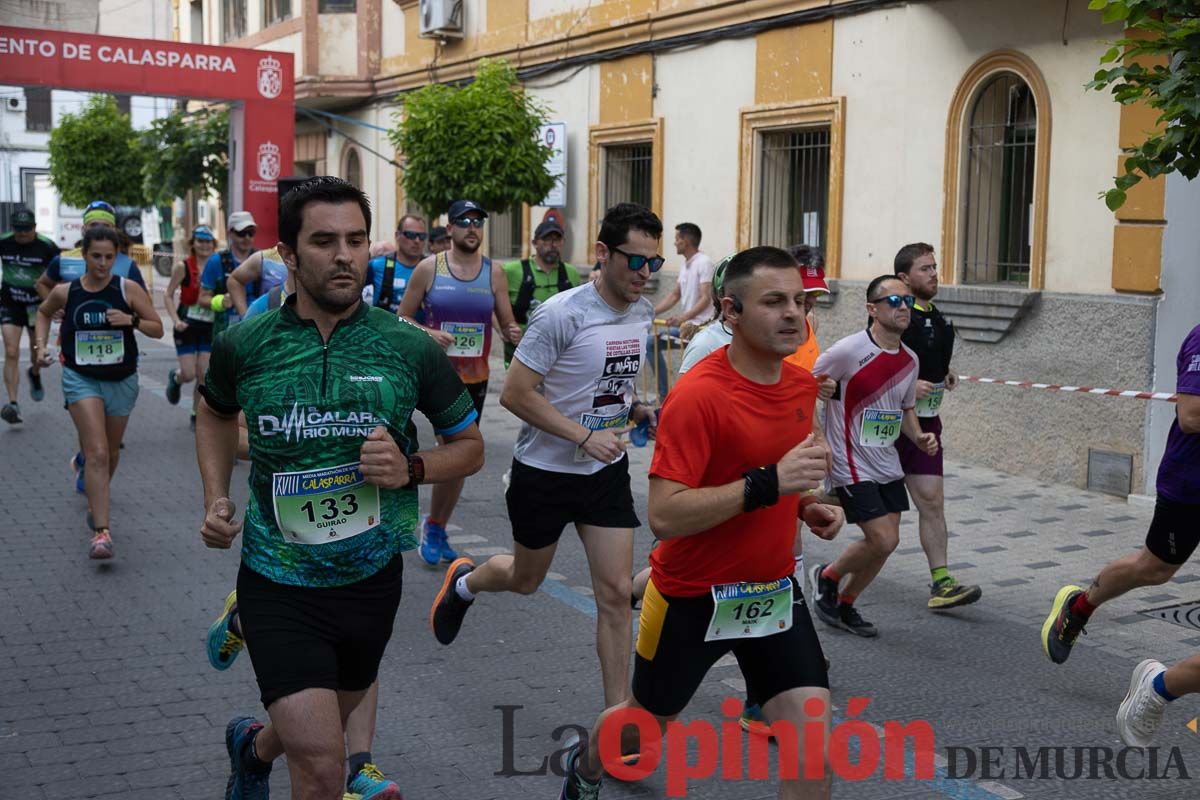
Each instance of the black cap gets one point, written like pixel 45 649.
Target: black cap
pixel 437 233
pixel 23 220
pixel 460 207
pixel 549 226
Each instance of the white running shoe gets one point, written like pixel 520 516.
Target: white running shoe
pixel 1141 711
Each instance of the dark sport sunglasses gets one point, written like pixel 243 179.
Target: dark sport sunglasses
pixel 469 222
pixel 413 235
pixel 895 300
pixel 636 262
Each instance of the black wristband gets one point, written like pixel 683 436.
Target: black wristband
pixel 761 488
pixel 133 323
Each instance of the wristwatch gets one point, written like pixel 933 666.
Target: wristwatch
pixel 416 471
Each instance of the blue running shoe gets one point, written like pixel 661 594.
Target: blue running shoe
pixel 244 783
pixel 435 547
pixel 223 644
pixel 77 463
pixel 574 786
pixel 369 784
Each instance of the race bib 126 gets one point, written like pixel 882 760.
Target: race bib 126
pixel 324 505
pixel 468 339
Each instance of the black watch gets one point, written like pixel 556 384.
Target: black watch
pixel 136 319
pixel 416 471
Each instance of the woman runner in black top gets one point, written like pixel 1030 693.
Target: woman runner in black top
pixel 99 360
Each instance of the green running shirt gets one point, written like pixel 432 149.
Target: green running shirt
pixel 311 519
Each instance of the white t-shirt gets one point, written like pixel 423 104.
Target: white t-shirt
pixel 696 271
pixel 590 355
pixel 862 419
pixel 709 339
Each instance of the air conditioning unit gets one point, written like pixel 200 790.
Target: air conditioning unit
pixel 441 19
pixel 15 103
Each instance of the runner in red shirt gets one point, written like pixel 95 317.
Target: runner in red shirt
pixel 734 458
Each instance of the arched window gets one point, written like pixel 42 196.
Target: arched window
pixel 997 156
pixel 352 169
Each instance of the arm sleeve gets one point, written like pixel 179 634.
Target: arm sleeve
pixel 220 382
pixel 684 444
pixel 443 398
pixel 704 270
pixel 545 338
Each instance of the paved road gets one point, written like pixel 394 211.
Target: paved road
pixel 106 691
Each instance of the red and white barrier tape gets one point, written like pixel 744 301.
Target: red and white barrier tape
pixel 1054 387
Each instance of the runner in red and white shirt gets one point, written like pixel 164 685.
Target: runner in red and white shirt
pixel 873 406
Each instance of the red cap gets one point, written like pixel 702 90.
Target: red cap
pixel 814 279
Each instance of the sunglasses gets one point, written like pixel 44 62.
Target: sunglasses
pixel 413 235
pixel 636 262
pixel 896 300
pixel 245 233
pixel 469 222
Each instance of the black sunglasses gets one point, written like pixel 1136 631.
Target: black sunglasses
pixel 468 222
pixel 636 262
pixel 246 232
pixel 895 300
pixel 420 237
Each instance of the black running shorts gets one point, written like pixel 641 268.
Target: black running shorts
pixel 1174 531
pixel 867 500
pixel 301 637
pixel 672 657
pixel 541 503
pixel 478 392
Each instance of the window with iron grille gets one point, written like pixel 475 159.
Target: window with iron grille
pixel 38 114
pixel 628 174
pixel 353 171
pixel 337 6
pixel 233 19
pixel 504 234
pixel 997 204
pixel 276 11
pixel 793 188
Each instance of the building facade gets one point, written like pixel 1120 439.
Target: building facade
pixel 855 125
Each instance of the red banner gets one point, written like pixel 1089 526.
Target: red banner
pixel 261 80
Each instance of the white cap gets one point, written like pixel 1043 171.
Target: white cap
pixel 240 220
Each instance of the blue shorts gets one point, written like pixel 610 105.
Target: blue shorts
pixel 119 396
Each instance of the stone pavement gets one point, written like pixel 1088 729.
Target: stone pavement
pixel 105 690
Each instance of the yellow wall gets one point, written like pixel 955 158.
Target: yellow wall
pixel 794 63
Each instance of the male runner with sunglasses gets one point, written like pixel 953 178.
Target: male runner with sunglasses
pixel 573 381
pixel 457 291
pixel 213 283
pixel 388 275
pixel 873 405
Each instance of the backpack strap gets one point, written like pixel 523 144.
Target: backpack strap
pixel 564 282
pixel 384 299
pixel 525 293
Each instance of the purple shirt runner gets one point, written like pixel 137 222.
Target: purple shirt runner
pixel 1179 472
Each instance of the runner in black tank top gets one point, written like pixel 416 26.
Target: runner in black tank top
pixel 99 361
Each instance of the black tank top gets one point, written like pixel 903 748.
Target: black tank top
pixel 90 345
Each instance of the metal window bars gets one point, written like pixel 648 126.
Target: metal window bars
pixel 628 174
pixel 998 193
pixel 793 187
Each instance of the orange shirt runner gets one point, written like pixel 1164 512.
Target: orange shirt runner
pixel 715 426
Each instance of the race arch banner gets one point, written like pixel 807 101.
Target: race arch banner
pixel 261 81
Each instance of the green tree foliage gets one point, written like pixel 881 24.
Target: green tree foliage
pixel 1161 67
pixel 96 155
pixel 479 142
pixel 186 151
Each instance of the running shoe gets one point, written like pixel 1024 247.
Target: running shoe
pixel 77 463
pixel 574 786
pixel 446 616
pixel 369 784
pixel 752 719
pixel 949 593
pixel 244 783
pixel 223 644
pixel 35 385
pixel 102 545
pixel 1141 711
pixel 11 413
pixel 850 620
pixel 173 390
pixel 824 596
pixel 435 545
pixel 1063 626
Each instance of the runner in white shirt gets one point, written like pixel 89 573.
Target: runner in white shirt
pixel 873 406
pixel 573 381
pixel 691 292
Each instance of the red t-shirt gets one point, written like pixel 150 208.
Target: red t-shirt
pixel 715 426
